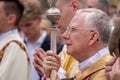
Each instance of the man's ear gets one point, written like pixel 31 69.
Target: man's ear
pixel 12 18
pixel 76 4
pixel 39 18
pixel 94 37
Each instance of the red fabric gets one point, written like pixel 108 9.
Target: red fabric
pixel 44 78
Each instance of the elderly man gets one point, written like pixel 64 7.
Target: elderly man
pixel 86 38
pixel 68 64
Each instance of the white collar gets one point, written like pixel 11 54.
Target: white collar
pixel 85 64
pixel 11 32
pixel 40 39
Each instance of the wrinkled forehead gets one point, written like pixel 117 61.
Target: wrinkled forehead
pixel 78 19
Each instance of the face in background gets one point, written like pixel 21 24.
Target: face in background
pixel 99 4
pixel 118 7
pixel 77 38
pixel 30 27
pixel 67 12
pixel 10 13
pixel 45 26
pixel 118 10
pixel 92 4
pixel 112 10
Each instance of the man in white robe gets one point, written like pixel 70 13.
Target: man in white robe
pixel 14 61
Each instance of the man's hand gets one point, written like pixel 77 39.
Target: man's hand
pixel 113 69
pixel 51 62
pixel 39 56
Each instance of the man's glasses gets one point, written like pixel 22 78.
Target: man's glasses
pixel 72 29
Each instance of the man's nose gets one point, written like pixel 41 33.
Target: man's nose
pixel 66 35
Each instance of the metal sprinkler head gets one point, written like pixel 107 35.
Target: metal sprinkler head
pixel 53 14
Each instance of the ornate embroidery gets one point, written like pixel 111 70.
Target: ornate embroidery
pixel 68 79
pixel 89 76
pixel 19 43
pixel 1 55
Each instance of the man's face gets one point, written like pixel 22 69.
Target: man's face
pixel 30 27
pixel 67 12
pixel 118 7
pixel 3 18
pixel 92 4
pixel 77 37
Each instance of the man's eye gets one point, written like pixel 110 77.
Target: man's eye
pixel 73 29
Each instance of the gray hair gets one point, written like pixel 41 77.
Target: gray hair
pixel 98 20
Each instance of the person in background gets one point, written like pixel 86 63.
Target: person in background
pixel 99 4
pixel 112 10
pixel 46 25
pixel 86 39
pixel 35 37
pixel 118 10
pixel 14 60
pixel 69 66
pixel 113 66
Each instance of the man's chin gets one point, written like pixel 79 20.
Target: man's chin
pixel 69 52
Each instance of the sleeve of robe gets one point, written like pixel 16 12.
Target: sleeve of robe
pixel 69 64
pixel 14 64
